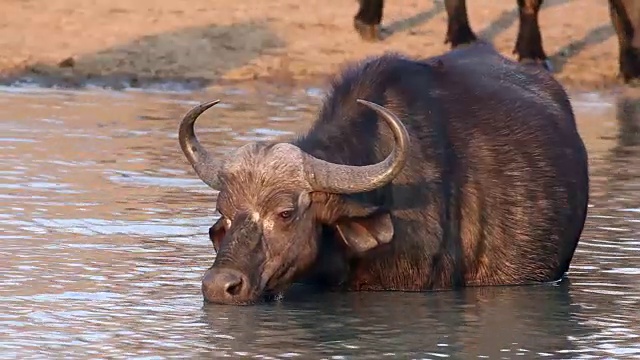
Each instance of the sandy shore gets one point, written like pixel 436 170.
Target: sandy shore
pixel 211 41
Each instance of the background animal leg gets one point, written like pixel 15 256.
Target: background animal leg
pixel 529 44
pixel 367 20
pixel 630 65
pixel 629 56
pixel 458 29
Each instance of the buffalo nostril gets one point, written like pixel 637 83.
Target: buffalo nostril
pixel 233 286
pixel 223 284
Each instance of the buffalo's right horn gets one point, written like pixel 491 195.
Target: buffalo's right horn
pixel 346 179
pixel 205 166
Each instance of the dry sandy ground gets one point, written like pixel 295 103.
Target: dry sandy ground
pixel 210 41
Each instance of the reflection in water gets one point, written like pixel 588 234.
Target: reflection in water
pixel 103 235
pixel 628 114
pixel 493 322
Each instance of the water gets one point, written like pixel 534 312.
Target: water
pixel 103 240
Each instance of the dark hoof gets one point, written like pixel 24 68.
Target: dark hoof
pixel 632 79
pixel 370 33
pixel 458 42
pixel 632 82
pixel 460 37
pixel 545 64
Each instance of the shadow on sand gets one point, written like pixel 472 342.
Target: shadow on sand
pixel 187 57
pixel 407 24
pixel 597 35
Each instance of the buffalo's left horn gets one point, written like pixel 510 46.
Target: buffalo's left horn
pixel 201 161
pixel 345 179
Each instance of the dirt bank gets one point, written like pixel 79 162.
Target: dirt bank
pixel 206 41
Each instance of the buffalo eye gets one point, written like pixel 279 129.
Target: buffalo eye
pixel 285 215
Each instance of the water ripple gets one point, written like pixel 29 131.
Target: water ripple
pixel 104 239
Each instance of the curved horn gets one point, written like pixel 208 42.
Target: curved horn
pixel 201 161
pixel 345 179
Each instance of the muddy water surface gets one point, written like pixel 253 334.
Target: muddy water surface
pixel 103 240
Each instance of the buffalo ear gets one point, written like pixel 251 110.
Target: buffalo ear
pixel 365 233
pixel 361 226
pixel 217 232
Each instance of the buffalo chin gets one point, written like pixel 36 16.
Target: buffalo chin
pixel 263 298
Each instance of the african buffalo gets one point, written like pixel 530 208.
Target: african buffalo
pixel 477 176
pixel 625 16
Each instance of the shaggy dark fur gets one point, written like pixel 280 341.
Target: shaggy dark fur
pixel 494 192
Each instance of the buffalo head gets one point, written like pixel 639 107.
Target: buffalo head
pixel 274 200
